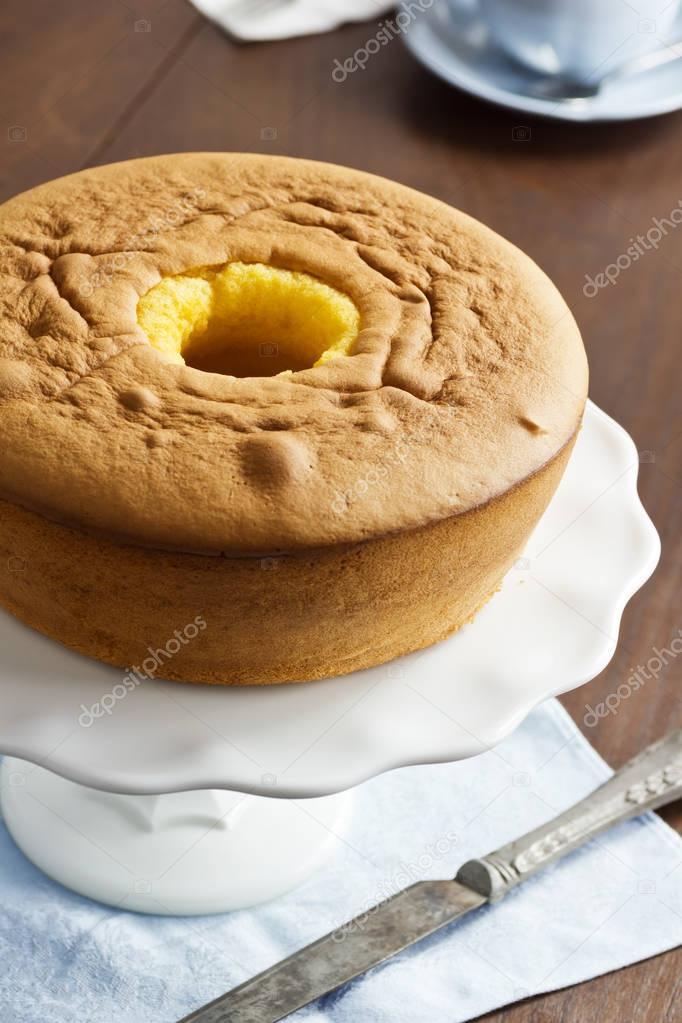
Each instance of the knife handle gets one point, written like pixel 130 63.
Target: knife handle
pixel 651 779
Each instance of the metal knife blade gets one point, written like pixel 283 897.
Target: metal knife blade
pixel 651 779
pixel 343 954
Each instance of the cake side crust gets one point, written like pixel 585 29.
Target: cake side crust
pixel 264 620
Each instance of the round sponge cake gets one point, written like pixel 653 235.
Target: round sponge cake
pixel 316 410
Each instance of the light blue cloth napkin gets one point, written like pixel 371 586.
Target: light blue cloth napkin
pixel 64 959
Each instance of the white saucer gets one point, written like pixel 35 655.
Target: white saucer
pixel 455 45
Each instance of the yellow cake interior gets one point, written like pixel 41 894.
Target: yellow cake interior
pixel 248 319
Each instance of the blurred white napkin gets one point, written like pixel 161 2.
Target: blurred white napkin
pixel 64 959
pixel 280 19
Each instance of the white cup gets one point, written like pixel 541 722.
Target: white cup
pixel 580 39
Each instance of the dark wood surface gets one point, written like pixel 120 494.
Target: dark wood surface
pixel 79 85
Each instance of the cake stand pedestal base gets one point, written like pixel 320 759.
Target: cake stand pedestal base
pixel 184 853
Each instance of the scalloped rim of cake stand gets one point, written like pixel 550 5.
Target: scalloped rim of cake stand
pixel 552 627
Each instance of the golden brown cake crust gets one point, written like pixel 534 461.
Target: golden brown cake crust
pixel 297 617
pixel 468 375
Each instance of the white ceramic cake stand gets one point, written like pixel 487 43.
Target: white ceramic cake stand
pixel 152 799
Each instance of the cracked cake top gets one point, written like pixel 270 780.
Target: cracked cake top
pixel 467 374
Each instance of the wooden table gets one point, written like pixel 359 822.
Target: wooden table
pixel 84 84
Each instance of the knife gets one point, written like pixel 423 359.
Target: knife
pixel 651 779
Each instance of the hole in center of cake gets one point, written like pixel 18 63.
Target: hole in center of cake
pixel 248 320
